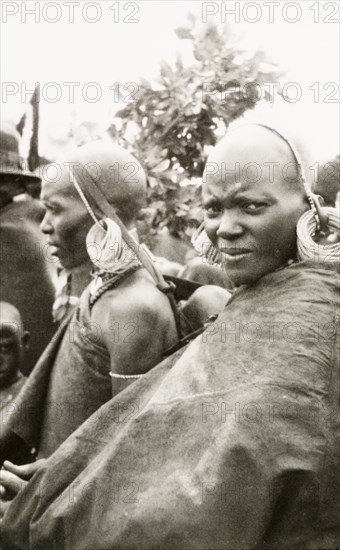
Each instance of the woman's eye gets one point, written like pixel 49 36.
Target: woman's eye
pixel 212 210
pixel 253 206
pixel 51 209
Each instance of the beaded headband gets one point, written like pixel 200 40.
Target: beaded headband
pixel 82 196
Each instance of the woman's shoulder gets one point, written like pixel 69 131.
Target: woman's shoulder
pixel 320 278
pixel 305 289
pixel 320 275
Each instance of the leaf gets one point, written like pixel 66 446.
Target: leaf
pixel 162 166
pixel 196 109
pixel 183 33
pixel 153 182
pixel 179 63
pixel 145 82
pixel 166 70
pixel 192 17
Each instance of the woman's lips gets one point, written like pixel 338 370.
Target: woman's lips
pixel 234 255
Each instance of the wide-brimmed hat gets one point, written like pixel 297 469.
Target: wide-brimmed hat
pixel 11 163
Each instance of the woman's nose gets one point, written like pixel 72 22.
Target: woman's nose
pixel 229 226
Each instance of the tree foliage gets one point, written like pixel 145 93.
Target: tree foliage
pixel 176 118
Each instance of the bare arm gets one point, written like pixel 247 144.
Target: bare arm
pixel 135 328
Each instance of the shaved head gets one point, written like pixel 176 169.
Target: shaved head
pixel 13 341
pixel 254 153
pixel 116 172
pixel 10 315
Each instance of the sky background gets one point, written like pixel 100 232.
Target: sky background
pixel 110 51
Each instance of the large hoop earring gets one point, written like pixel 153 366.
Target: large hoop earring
pixel 309 226
pixel 104 245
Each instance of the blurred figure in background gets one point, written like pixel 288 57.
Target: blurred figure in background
pixel 25 276
pixel 14 342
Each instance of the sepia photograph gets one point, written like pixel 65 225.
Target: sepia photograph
pixel 170 275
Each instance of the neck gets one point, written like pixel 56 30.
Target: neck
pixel 80 277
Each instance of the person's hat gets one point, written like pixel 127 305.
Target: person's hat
pixel 11 163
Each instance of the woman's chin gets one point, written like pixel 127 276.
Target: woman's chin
pixel 241 272
pixel 240 275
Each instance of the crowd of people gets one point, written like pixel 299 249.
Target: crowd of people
pixel 146 417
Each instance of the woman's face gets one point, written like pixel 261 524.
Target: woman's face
pixel 66 222
pixel 251 203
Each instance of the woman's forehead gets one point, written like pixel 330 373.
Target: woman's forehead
pixel 219 191
pixel 10 318
pixel 251 145
pixel 59 187
pixel 250 156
